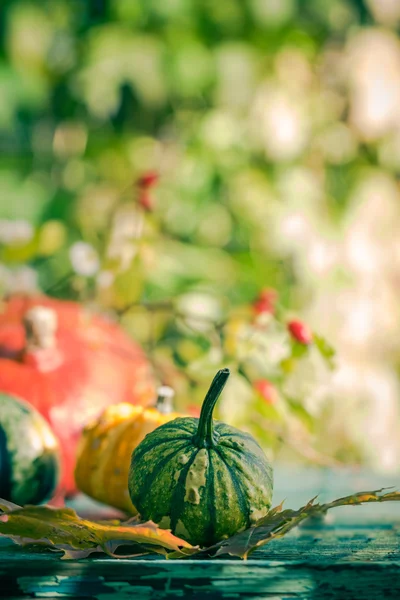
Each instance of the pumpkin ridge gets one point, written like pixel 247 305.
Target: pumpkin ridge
pixel 242 498
pixel 238 434
pixel 178 498
pixel 157 443
pixel 241 456
pixel 185 427
pixel 211 496
pixel 265 482
pixel 157 469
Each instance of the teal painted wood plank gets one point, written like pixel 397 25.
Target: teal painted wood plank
pixel 217 579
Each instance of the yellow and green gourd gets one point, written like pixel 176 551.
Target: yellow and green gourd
pixel 201 478
pixel 106 445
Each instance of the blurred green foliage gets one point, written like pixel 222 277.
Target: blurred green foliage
pixel 95 93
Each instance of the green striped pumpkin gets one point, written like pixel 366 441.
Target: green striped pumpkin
pixel 201 478
pixel 29 454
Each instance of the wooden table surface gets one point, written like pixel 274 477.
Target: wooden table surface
pixel 353 553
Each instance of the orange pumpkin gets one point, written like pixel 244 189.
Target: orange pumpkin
pixel 68 364
pixel 107 444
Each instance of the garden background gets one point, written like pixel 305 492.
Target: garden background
pixel 205 172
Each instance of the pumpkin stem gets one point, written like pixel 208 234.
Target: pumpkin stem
pixel 40 327
pixel 205 437
pixel 165 395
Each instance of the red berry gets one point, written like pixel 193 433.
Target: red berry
pixel 262 306
pixel 265 302
pixel 145 200
pixel 148 179
pixel 266 390
pixel 300 332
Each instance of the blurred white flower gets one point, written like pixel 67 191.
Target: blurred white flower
pixel 365 322
pixel 322 256
pixel 295 225
pixel 282 123
pixel 367 408
pixel 374 80
pixel 200 311
pixel 15 232
pixel 105 279
pixel 126 230
pixel 293 236
pixel 371 226
pixel 123 251
pixel 273 13
pixel 359 323
pixel 21 280
pixel 298 218
pixel 385 11
pixel 84 259
pixel 70 139
pixel 128 223
pixel 361 252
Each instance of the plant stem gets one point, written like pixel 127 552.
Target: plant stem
pixel 205 437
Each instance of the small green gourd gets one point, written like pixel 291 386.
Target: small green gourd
pixel 29 453
pixel 201 478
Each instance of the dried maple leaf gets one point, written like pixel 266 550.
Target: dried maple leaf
pixel 62 529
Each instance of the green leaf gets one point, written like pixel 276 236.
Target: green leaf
pixel 325 349
pixel 287 365
pixel 298 350
pixel 300 412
